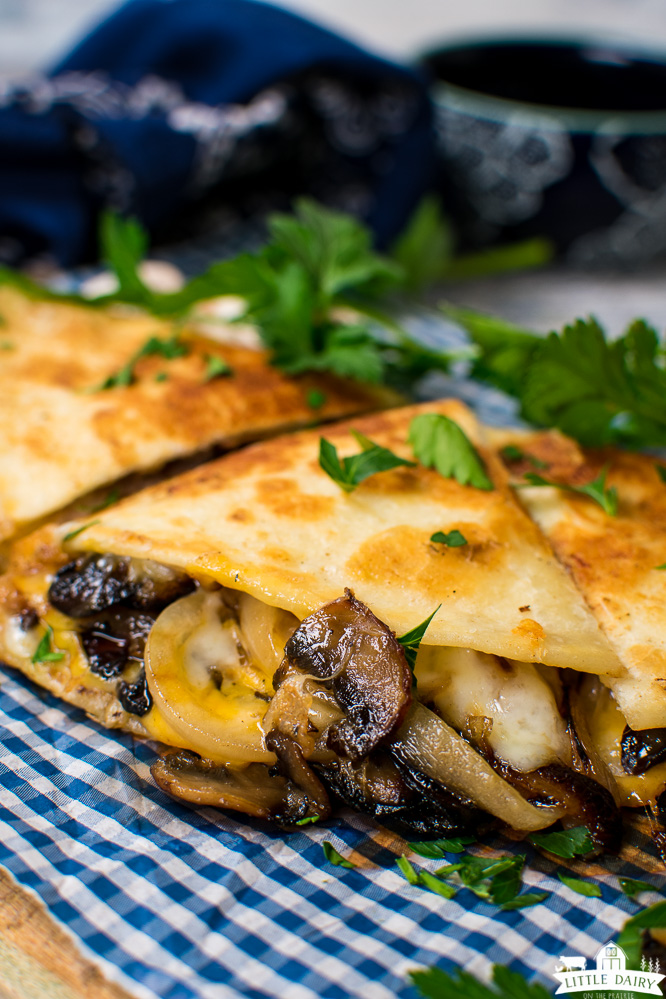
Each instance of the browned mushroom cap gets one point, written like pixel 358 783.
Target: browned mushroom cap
pixel 257 790
pixel 402 798
pixel 251 790
pixel 642 750
pixel 307 795
pixel 359 657
pixel 95 583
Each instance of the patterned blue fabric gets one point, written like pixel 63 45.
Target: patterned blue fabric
pixel 198 114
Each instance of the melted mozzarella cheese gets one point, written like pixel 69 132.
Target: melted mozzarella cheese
pixel 524 729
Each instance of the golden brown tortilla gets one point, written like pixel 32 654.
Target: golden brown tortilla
pixel 613 560
pixel 60 438
pixel 268 521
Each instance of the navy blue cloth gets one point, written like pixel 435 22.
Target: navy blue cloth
pixel 204 114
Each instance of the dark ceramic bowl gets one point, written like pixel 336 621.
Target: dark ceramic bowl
pixel 563 139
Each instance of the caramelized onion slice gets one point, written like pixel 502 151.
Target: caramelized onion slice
pixel 359 657
pixel 188 648
pixel 586 802
pixel 431 746
pixel 251 790
pixel 580 692
pixel 265 630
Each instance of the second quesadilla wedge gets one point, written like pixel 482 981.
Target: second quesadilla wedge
pixel 246 613
pixel 89 396
pixel 617 564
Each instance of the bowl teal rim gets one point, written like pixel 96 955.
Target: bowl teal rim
pixel 548 116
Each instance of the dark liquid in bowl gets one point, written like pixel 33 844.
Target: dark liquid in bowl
pixel 558 74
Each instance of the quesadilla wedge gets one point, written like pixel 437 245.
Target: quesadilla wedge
pixel 617 564
pixel 246 614
pixel 90 395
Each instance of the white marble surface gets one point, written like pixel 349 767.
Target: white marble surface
pixel 33 33
pixel 546 300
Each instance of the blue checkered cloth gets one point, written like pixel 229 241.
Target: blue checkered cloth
pixel 181 903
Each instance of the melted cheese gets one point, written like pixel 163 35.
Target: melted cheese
pixel 203 682
pixel 524 729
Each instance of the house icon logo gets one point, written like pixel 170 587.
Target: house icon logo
pixel 610 975
pixel 611 958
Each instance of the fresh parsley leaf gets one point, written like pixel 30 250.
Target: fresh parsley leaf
pixel 349 472
pixel 506 884
pixel 596 390
pixel 119 379
pixel 350 351
pixel 317 265
pixel 167 347
pixel 216 367
pixel 632 887
pixel 513 453
pixel 7 345
pixel 480 875
pixel 581 887
pixel 334 248
pixel 424 250
pixel 630 937
pixel 161 376
pixel 334 857
pixel 308 820
pixel 436 848
pixel 78 530
pixel 434 983
pixel 512 984
pixel 316 398
pixel 407 870
pixel 661 472
pixel 505 353
pixel 123 244
pixel 364 442
pixel 494 879
pixel 440 443
pixel 662 566
pixel 111 497
pixel 526 900
pixel 607 498
pixel 424 879
pixel 568 843
pixel 452 539
pixel 525 255
pixel 43 653
pixel 411 640
pixel 434 884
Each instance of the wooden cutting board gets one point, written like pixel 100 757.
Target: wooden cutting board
pixel 38 959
